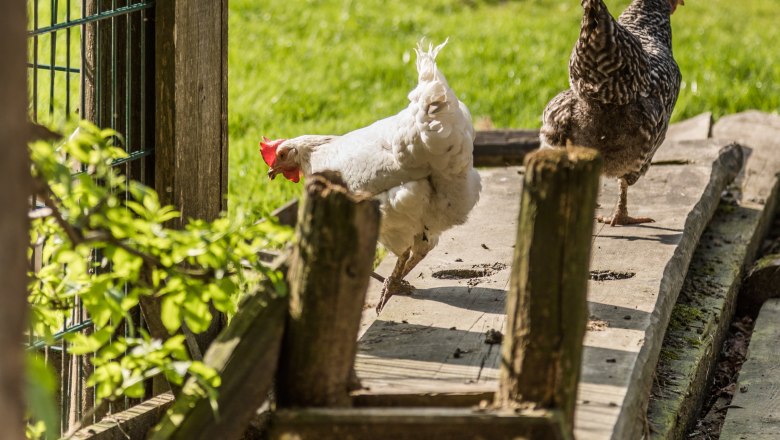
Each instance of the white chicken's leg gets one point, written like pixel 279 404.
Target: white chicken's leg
pixel 395 282
pixel 620 216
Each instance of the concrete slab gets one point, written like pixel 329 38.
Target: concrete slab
pixel 706 303
pixel 435 339
pixel 754 413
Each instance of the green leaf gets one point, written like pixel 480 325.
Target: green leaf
pixel 84 344
pixel 171 311
pixel 40 394
pixel 196 315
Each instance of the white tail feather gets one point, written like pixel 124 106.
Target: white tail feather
pixel 426 60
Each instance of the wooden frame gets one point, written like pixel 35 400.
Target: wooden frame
pixel 191 107
pixel 14 227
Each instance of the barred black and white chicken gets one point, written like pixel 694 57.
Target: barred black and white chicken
pixel 624 83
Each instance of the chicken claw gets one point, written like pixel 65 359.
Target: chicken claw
pixel 622 220
pixel 392 287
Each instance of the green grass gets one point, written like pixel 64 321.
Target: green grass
pixel 330 66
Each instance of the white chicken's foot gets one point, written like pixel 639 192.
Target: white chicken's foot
pixel 393 286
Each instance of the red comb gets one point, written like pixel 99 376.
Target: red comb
pixel 268 150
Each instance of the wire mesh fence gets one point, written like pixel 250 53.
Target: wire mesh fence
pixel 94 60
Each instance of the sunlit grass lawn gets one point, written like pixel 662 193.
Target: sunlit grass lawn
pixel 331 66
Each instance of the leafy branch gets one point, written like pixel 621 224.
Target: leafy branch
pixel 104 245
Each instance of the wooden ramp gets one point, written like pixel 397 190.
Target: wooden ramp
pixel 754 412
pixel 435 341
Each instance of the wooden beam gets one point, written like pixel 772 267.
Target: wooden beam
pixel 287 214
pixel 14 224
pixel 129 424
pixel 328 277
pixel 442 399
pixel 191 100
pixel 499 148
pixel 546 304
pixel 246 355
pixel 415 424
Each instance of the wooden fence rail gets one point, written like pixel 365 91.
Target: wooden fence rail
pixel 328 275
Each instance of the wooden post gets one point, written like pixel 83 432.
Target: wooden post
pixel 246 355
pixel 546 306
pixel 14 227
pixel 328 277
pixel 191 125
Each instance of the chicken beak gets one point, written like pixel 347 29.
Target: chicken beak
pixel 272 172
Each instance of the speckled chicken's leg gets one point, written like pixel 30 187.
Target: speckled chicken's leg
pixel 395 282
pixel 620 216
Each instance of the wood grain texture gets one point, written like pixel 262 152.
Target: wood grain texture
pixel 410 347
pixel 415 424
pixel 14 225
pixel 132 423
pixel 246 355
pixel 703 312
pixel 500 148
pixel 546 303
pixel 191 50
pixel 191 105
pixel 328 276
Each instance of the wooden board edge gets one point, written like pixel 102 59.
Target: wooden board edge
pixel 441 399
pixel 132 423
pixel 631 421
pixel 416 423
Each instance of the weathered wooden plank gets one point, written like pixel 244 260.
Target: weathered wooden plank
pixel 246 355
pixel 14 224
pixel 701 318
pixel 754 412
pixel 411 347
pixel 416 424
pixel 762 283
pixel 702 315
pixel 328 277
pixel 191 108
pixel 379 397
pixel 632 314
pixel 132 423
pixel 499 148
pixel 546 303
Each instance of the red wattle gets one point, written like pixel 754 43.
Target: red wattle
pixel 292 175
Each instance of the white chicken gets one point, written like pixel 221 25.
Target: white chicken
pixel 417 163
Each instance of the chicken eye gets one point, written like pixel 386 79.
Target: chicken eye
pixel 282 155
